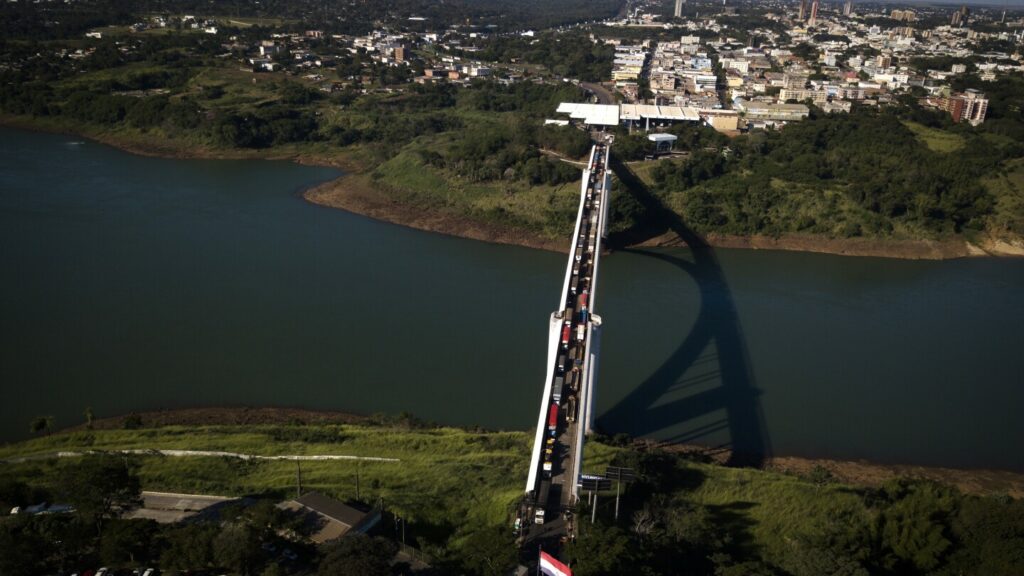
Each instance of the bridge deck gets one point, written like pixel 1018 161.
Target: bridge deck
pixel 573 348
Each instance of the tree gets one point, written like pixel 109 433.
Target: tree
pixel 22 548
pixel 189 547
pixel 357 555
pixel 489 552
pixel 237 547
pixel 913 526
pixel 100 487
pixel 40 424
pixel 601 550
pixel 128 541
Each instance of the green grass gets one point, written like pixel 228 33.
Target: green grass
pixel 445 477
pixel 448 479
pixel 549 210
pixel 936 140
pixel 773 508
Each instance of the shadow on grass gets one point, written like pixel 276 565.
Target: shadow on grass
pixel 717 326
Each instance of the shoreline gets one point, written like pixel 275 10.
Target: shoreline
pixel 352 193
pixel 979 481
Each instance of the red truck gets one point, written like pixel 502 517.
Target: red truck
pixel 565 335
pixel 553 418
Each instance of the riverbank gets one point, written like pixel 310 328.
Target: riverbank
pixel 355 192
pixel 157 146
pixel 858 473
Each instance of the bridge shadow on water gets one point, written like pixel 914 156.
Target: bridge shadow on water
pixel 713 352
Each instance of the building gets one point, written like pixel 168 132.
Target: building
pixel 794 81
pixel 814 13
pixel 327 519
pixel 759 111
pixel 970 106
pixel 903 15
pixel 883 61
pixel 960 17
pixel 662 142
pixel 848 8
pixel 678 13
pixel 663 81
pixel 975 107
pixel 802 15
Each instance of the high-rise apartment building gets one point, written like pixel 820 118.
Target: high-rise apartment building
pixel 802 16
pixel 679 9
pixel 814 13
pixel 975 106
pixel 970 106
pixel 848 8
pixel 960 17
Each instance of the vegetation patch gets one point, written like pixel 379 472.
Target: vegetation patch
pixel 936 140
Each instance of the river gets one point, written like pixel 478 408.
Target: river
pixel 134 283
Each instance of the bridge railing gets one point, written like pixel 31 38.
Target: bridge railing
pixel 554 332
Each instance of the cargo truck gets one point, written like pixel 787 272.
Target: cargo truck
pixel 556 390
pixel 542 501
pixel 565 335
pixel 581 332
pixel 553 419
pixel 561 362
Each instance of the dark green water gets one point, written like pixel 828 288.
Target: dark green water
pixel 134 283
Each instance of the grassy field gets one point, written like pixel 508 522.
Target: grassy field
pixel 936 140
pixel 452 483
pixel 448 480
pixel 549 210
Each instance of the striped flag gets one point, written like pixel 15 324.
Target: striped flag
pixel 552 567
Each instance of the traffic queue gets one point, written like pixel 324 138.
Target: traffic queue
pixel 576 316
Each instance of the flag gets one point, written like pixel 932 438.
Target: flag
pixel 552 567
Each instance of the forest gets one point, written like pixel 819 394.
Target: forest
pixel 861 174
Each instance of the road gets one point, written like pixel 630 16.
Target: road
pixel 166 508
pixel 604 95
pixel 565 406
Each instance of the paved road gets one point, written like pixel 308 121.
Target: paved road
pixel 166 507
pixel 181 453
pixel 604 95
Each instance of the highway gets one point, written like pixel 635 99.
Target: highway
pixel 565 415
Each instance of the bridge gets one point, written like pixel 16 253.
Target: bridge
pixel 574 345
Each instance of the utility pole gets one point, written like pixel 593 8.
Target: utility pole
pixel 620 475
pixel 593 510
pixel 617 482
pixel 298 478
pixel 357 478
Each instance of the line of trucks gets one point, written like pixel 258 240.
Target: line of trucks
pixel 576 315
